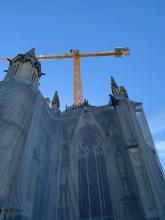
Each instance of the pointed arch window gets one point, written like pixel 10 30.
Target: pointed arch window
pixel 94 191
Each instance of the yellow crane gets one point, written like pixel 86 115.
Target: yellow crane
pixel 76 55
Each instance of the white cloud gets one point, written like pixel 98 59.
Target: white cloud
pixel 157 124
pixel 160 146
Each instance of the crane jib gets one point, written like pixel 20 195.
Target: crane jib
pixel 78 98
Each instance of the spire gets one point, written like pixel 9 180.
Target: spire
pixel 25 65
pixel 123 92
pixel 55 102
pixel 118 90
pixel 113 82
pixel 30 53
pixel 114 86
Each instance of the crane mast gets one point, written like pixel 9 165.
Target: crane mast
pixel 75 55
pixel 78 97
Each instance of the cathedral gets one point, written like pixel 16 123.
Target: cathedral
pixel 85 163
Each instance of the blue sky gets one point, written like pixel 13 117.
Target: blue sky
pixel 53 26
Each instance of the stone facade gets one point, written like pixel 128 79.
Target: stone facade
pixel 86 163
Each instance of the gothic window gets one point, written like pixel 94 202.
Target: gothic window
pixel 94 192
pixel 16 69
pixel 34 76
pixel 13 70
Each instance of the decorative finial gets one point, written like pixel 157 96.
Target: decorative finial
pixel 86 102
pixel 114 86
pixel 55 102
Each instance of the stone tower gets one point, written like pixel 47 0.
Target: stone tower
pixel 86 163
pixel 25 65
